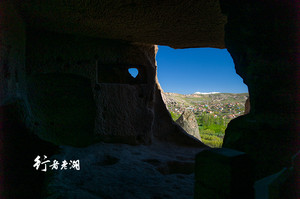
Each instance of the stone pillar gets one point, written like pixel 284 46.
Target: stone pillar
pixel 261 37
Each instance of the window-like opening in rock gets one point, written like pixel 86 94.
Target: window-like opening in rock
pixel 121 74
pixel 133 72
pixel 201 90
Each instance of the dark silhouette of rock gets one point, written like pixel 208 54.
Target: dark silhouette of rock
pixel 18 149
pixel 270 132
pixel 189 123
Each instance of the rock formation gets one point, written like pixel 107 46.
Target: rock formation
pixel 189 123
pixel 247 106
pixel 255 36
pixel 66 64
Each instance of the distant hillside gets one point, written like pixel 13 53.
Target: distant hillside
pixel 212 111
pixel 193 99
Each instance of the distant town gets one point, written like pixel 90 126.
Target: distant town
pixel 213 111
pixel 225 105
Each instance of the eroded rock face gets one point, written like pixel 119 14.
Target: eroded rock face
pixel 256 37
pixel 189 123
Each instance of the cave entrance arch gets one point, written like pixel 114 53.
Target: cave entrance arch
pixel 201 90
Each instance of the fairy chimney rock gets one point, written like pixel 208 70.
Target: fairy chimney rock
pixel 189 123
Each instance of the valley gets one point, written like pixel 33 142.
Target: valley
pixel 213 112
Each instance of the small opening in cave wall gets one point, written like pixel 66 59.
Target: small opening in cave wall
pixel 201 90
pixel 133 72
pixel 121 74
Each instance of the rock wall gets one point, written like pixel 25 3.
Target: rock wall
pixel 12 53
pixel 80 90
pixel 61 89
pixel 261 38
pixel 18 146
pixel 76 89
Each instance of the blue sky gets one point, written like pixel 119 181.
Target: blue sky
pixel 186 71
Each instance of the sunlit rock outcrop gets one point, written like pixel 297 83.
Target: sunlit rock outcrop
pixel 247 106
pixel 189 123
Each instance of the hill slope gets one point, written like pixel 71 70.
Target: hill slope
pixel 213 112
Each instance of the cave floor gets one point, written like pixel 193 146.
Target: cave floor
pixel 120 171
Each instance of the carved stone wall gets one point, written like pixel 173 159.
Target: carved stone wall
pixel 80 90
pixel 74 99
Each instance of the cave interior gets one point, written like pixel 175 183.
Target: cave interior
pixel 65 85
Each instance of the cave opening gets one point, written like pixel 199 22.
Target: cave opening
pixel 121 74
pixel 133 72
pixel 201 90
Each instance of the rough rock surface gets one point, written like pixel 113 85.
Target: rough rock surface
pixel 254 34
pixel 189 123
pixel 177 23
pixel 262 38
pixel 80 91
pixel 116 171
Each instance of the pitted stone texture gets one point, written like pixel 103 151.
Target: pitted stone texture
pixel 189 123
pixel 177 23
pixel 159 170
pixel 123 113
pixel 69 105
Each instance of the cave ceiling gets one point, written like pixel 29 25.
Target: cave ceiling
pixel 176 23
